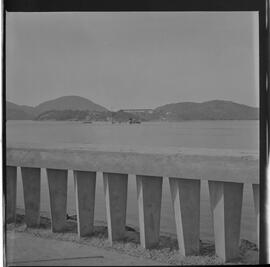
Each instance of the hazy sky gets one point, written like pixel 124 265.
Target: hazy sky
pixel 133 59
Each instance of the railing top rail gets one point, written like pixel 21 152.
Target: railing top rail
pixel 200 163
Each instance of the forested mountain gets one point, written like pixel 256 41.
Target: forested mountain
pixel 79 108
pixel 210 110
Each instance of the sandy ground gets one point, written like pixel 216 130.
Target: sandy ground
pixel 25 249
pixel 165 253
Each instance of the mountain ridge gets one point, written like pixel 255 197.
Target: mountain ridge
pixel 19 112
pixel 208 110
pixel 67 107
pixel 69 102
pixel 15 111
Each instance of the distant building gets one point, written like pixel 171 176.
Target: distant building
pixel 136 111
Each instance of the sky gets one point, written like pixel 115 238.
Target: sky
pixel 133 59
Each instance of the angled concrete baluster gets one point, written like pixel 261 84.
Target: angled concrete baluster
pixel 226 206
pixel 256 198
pixel 186 204
pixel 11 193
pixel 85 186
pixel 149 194
pixel 115 189
pixel 31 192
pixel 57 181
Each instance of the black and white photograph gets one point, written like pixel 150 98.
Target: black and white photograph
pixel 132 138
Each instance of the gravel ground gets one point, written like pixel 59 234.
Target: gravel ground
pixel 165 252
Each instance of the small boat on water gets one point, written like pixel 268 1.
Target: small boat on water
pixel 87 122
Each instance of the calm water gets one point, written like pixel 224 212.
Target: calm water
pixel 209 134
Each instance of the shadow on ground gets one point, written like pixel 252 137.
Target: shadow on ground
pixel 166 251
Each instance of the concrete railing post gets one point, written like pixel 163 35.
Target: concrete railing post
pixel 57 181
pixel 226 206
pixel 149 194
pixel 85 186
pixel 115 189
pixel 256 198
pixel 11 193
pixel 31 192
pixel 186 204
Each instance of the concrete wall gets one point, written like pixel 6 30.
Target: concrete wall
pixel 226 171
pixel 204 164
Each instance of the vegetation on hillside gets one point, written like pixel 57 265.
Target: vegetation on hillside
pixel 81 109
pixel 86 115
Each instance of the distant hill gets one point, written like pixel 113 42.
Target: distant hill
pixel 210 110
pixel 68 103
pixel 79 108
pixel 18 112
pixel 86 115
pixel 63 115
pixel 21 112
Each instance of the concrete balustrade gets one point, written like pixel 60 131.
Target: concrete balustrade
pixel 11 193
pixel 149 193
pixel 256 198
pixel 31 192
pixel 115 189
pixel 57 181
pixel 85 188
pixel 224 165
pixel 186 204
pixel 226 205
pixel 225 170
